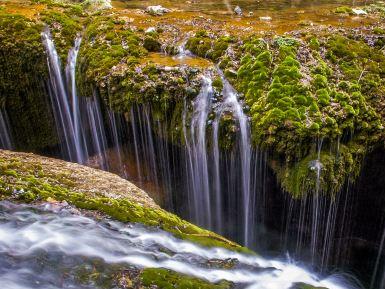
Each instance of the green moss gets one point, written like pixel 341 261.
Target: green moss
pixel 293 102
pixel 218 84
pixel 64 28
pixel 204 46
pixel 305 286
pixel 334 169
pixel 22 90
pixel 343 10
pixel 151 44
pixel 167 279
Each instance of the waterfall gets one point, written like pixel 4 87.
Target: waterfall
pixel 218 202
pixel 197 155
pixel 231 104
pixel 116 140
pixel 97 141
pixel 64 114
pixel 145 149
pixel 79 121
pixel 217 179
pixel 76 121
pixel 135 142
pixel 5 131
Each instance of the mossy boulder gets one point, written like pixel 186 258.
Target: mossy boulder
pixel 31 178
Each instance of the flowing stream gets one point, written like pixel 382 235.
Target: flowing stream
pixel 45 246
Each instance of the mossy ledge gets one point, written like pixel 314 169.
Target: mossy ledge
pixel 29 178
pixel 312 89
pixel 317 83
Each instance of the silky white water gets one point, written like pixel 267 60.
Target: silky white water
pixel 232 104
pixel 41 246
pixel 66 110
pixel 198 157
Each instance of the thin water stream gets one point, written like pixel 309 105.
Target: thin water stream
pixel 5 131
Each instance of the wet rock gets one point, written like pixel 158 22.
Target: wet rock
pixel 129 279
pixel 222 264
pixel 238 11
pixel 157 10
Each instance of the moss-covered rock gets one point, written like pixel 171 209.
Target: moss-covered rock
pixel 166 279
pixel 30 178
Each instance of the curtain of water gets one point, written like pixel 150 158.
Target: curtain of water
pixel 97 141
pixel 198 157
pixel 231 102
pixel 5 131
pixel 114 119
pixel 60 101
pixel 79 140
pixel 310 223
pixel 226 190
pixel 79 121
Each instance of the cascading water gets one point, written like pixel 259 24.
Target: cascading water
pixel 232 104
pixel 72 148
pixel 116 140
pixel 48 246
pixel 198 157
pixel 5 131
pixel 79 121
pixel 97 141
pixel 79 140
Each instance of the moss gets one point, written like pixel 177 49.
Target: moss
pixel 151 44
pixel 378 31
pixel 167 279
pixel 343 10
pixel 217 83
pixel 64 28
pixel 334 169
pixel 293 102
pixel 204 46
pixel 305 286
pixel 23 94
pixel 32 183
